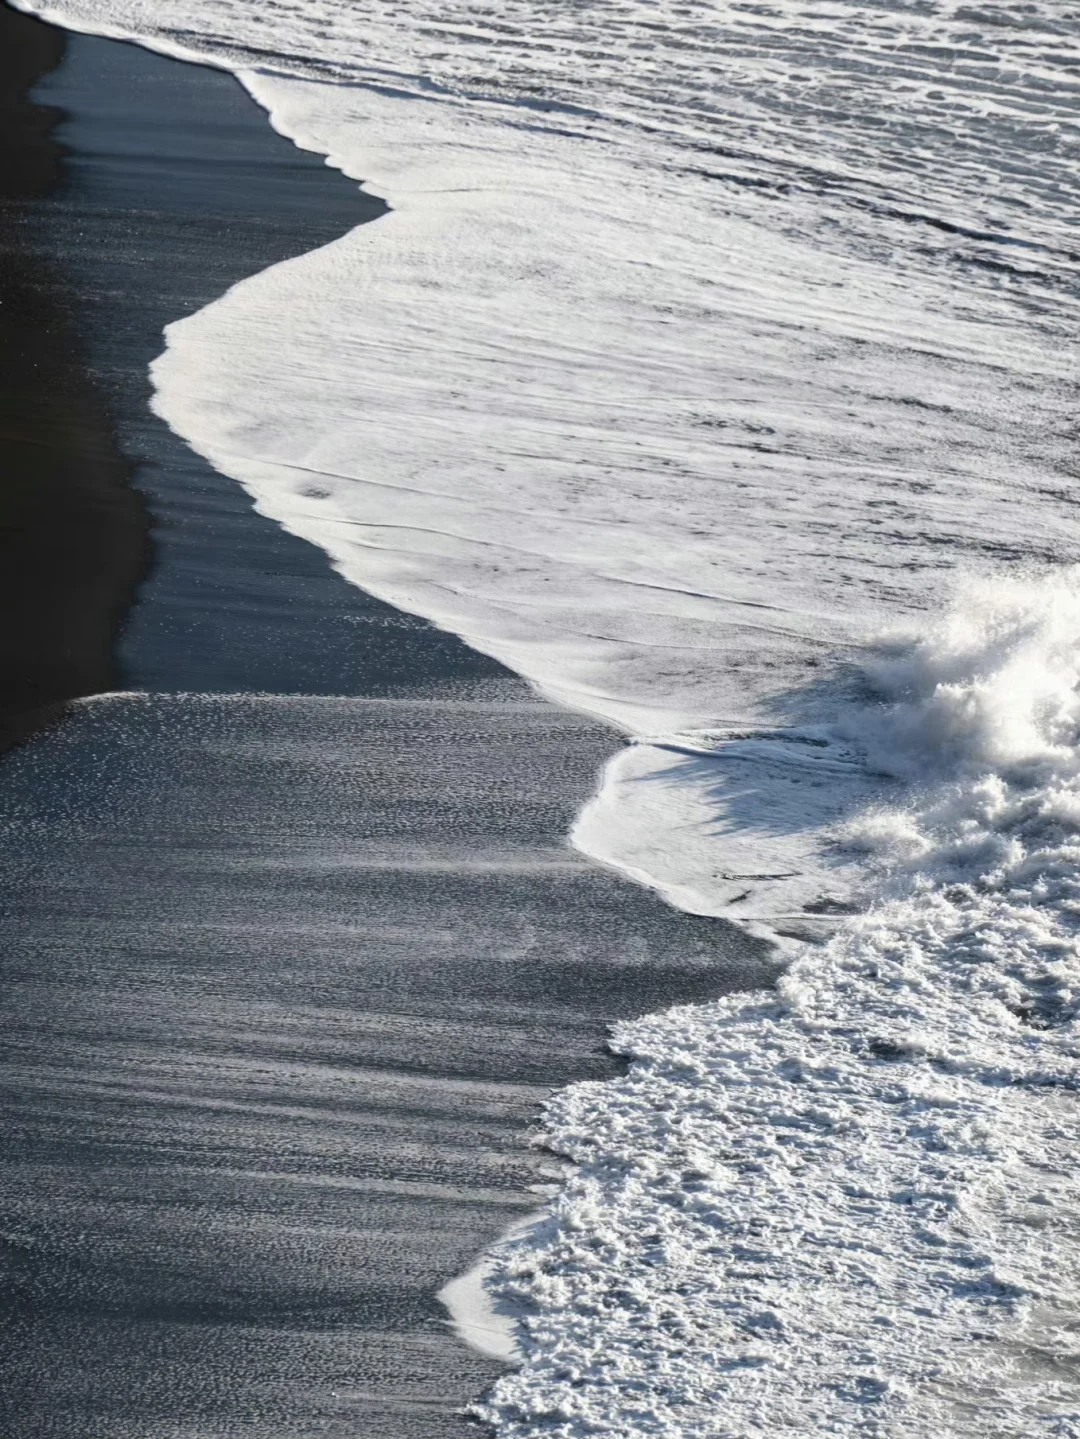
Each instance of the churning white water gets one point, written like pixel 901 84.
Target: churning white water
pixel 704 345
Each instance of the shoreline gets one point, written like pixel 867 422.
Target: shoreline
pixel 162 213
pixel 289 975
pixel 294 943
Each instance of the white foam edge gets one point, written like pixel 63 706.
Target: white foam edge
pixel 488 1325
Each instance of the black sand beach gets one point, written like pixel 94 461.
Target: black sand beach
pixel 293 946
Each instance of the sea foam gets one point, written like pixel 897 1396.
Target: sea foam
pixel 853 1207
pixel 702 344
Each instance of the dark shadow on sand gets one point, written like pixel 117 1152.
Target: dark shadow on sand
pixel 73 531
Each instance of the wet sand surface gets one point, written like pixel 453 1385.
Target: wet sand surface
pixel 284 976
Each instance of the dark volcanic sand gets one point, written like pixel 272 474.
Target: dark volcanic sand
pixel 285 978
pixel 72 530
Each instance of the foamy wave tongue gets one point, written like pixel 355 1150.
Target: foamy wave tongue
pixel 852 1207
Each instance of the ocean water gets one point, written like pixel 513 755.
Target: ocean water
pixel 715 369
